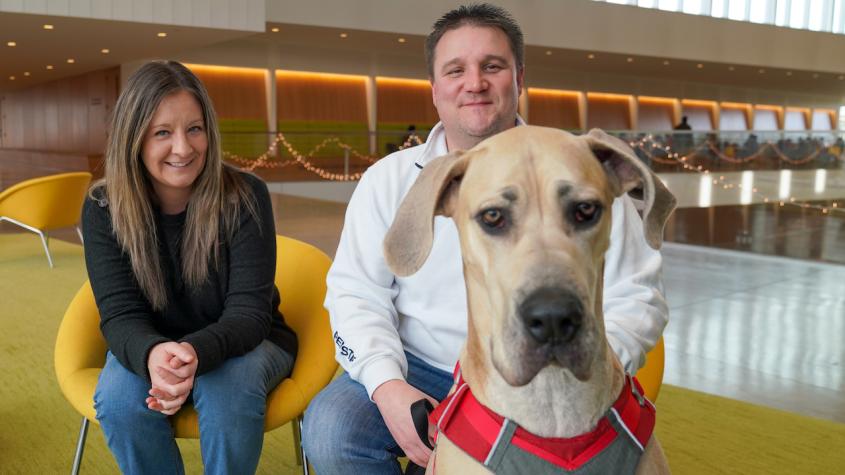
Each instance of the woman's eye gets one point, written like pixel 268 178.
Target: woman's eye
pixel 196 128
pixel 493 218
pixel 586 212
pixel 161 133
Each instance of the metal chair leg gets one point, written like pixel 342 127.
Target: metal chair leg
pixel 44 238
pixel 80 446
pixel 301 459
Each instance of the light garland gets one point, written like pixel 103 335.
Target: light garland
pixel 264 160
pixel 648 143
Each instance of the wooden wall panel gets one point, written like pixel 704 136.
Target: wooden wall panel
pixel 552 108
pixel 237 93
pixel 321 97
pixel 609 112
pixel 68 115
pixel 653 114
pixel 405 101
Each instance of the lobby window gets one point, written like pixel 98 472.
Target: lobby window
pixel 842 118
pixel 815 15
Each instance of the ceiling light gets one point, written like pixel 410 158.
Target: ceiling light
pixel 815 75
pixel 26 73
pixel 548 53
pixel 401 40
pixel 761 71
pixel 11 44
pixel 275 29
pixel 105 51
pixel 731 68
pixel 665 62
pixel 591 56
pixel 161 34
pixel 343 35
pixel 48 27
pixel 841 78
pixel 49 66
pixel 71 61
pixel 789 73
pixel 699 66
pixel 11 78
pixel 630 60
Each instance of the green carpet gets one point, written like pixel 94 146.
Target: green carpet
pixel 701 434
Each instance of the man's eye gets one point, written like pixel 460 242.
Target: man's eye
pixel 493 67
pixel 586 212
pixel 493 218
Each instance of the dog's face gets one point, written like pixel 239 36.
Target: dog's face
pixel 532 206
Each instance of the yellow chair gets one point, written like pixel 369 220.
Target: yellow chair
pixel 46 203
pixel 301 278
pixel 651 374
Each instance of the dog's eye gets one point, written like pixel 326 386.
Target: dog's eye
pixel 586 212
pixel 493 219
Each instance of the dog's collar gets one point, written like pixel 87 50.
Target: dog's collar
pixel 481 433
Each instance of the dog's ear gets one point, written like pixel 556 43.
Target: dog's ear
pixel 627 174
pixel 408 241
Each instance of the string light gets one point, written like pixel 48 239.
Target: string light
pixel 647 145
pixel 264 160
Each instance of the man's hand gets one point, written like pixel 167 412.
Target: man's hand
pixel 172 367
pixel 394 399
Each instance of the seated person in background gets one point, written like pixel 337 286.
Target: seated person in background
pixel 181 254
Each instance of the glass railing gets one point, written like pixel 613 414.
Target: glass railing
pixel 347 153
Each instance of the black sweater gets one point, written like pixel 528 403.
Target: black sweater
pixel 229 315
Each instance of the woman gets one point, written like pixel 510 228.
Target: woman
pixel 181 255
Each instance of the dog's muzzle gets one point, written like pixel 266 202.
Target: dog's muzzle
pixel 552 316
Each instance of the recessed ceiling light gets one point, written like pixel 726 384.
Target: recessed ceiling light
pixel 161 34
pixel 789 73
pixel 548 53
pixel 275 29
pixel 665 62
pixel 26 73
pixel 343 35
pixel 591 56
pixel 49 66
pixel 815 75
pixel 401 40
pixel 841 77
pixel 699 66
pixel 761 71
pixel 48 27
pixel 11 44
pixel 11 78
pixel 71 61
pixel 105 51
pixel 731 68
pixel 630 60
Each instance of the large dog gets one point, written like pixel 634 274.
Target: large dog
pixel 532 206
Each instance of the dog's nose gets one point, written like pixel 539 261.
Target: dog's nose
pixel 552 315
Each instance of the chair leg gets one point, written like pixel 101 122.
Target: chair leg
pixel 301 459
pixel 80 446
pixel 36 231
pixel 44 238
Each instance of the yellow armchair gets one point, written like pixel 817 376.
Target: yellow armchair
pixel 46 203
pixel 651 374
pixel 301 278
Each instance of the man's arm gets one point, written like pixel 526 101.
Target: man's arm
pixel 635 310
pixel 361 290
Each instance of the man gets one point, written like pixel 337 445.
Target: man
pixel 399 338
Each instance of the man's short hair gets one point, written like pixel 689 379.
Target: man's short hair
pixel 476 14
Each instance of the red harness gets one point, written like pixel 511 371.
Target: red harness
pixel 476 429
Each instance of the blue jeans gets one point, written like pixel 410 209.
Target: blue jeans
pixel 230 400
pixel 344 432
